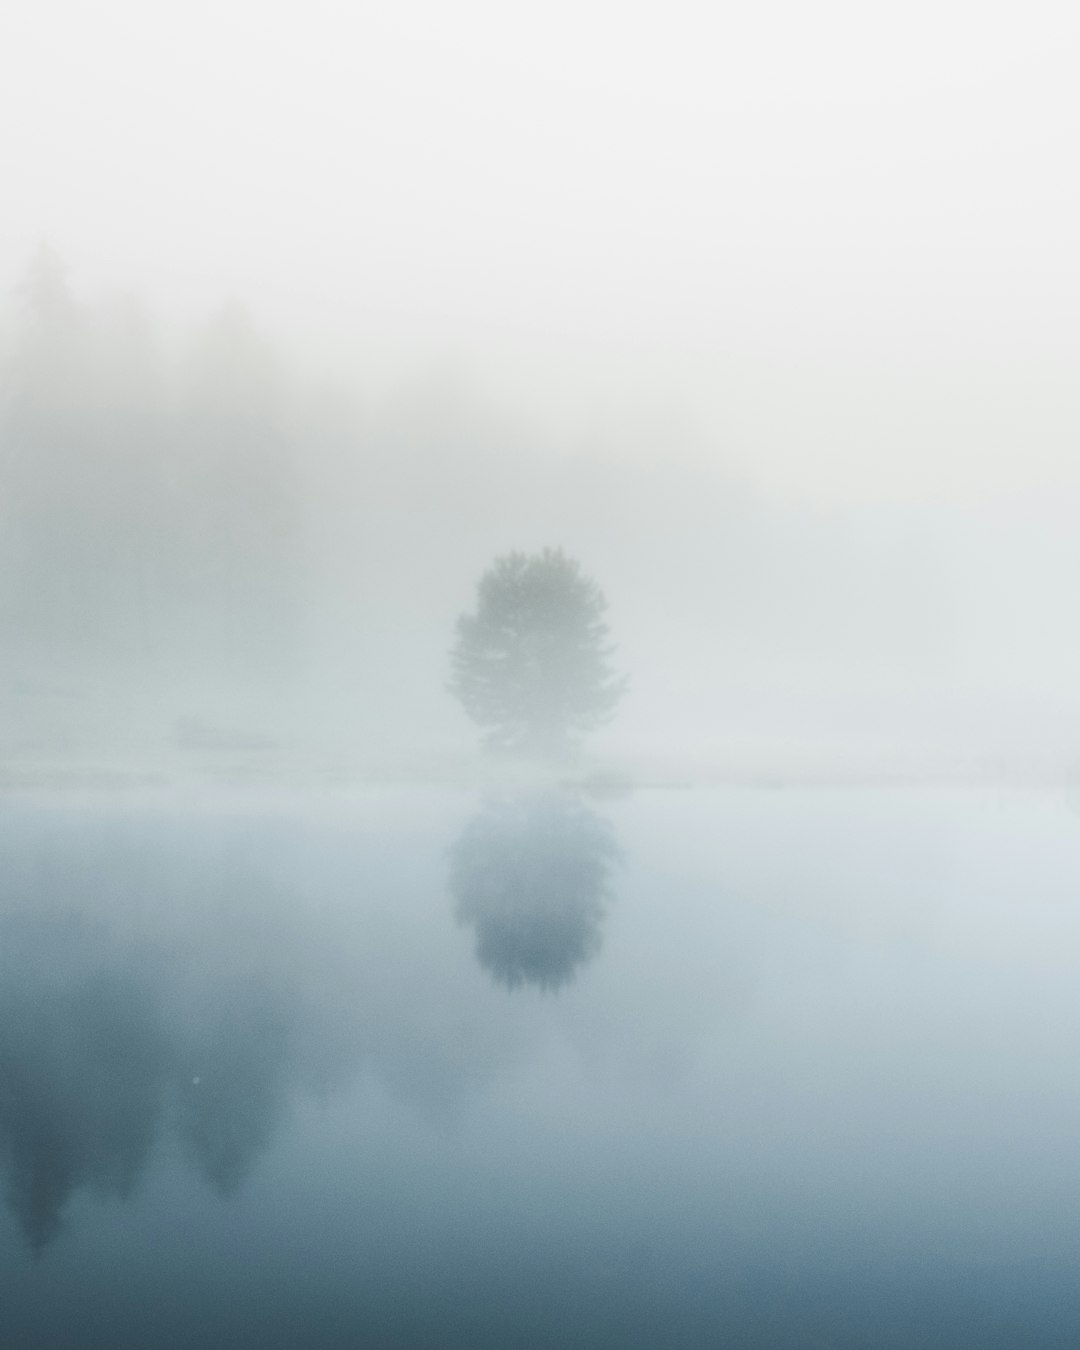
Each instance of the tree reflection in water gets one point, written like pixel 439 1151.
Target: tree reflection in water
pixel 83 1074
pixel 530 874
pixel 239 1086
pixel 96 1067
pixel 157 997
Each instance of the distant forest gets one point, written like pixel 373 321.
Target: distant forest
pixel 189 532
pixel 152 512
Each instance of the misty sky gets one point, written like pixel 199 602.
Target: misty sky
pixel 836 241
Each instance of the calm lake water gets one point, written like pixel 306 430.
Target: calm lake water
pixel 773 1068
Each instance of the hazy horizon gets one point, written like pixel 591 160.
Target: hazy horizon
pixel 837 242
pixel 765 317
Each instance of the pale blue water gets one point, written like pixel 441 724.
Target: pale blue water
pixel 747 1068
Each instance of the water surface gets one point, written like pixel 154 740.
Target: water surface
pixel 402 1068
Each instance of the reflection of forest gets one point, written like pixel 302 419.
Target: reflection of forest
pixel 531 876
pixel 136 1006
pixel 172 984
pixel 84 1070
pixel 93 1072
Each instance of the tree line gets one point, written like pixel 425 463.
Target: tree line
pixel 151 507
pixel 165 516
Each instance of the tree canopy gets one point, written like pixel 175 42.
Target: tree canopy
pixel 532 665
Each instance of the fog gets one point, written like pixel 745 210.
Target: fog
pixel 766 319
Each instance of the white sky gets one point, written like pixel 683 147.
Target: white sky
pixel 843 237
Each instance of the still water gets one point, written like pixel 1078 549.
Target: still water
pixel 758 1068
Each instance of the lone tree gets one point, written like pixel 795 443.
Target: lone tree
pixel 531 666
